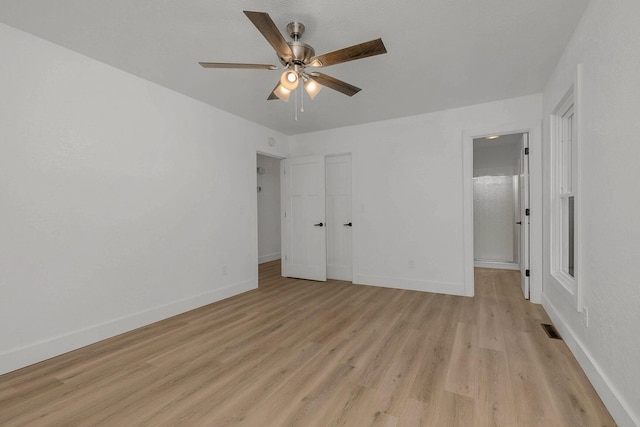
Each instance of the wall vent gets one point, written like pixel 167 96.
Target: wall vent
pixel 551 331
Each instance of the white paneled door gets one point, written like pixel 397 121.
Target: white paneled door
pixel 339 222
pixel 304 224
pixel 524 215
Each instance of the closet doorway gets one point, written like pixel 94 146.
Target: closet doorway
pixel 316 217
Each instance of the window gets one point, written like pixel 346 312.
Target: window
pixel 564 183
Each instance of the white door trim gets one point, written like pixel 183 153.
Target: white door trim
pixel 525 224
pixel 535 193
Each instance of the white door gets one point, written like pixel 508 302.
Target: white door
pixel 339 221
pixel 304 237
pixel 524 215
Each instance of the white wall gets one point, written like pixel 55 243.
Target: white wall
pixel 499 157
pixel 408 191
pixel 606 43
pixel 268 209
pixel 121 202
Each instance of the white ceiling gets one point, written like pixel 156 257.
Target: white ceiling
pixel 441 53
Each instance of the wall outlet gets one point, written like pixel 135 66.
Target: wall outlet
pixel 224 270
pixel 412 264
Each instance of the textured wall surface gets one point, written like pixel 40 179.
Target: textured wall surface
pixel 122 202
pixel 606 44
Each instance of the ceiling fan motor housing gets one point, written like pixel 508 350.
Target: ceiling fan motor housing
pixel 295 30
pixel 302 52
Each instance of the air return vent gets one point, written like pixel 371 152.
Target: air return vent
pixel 551 331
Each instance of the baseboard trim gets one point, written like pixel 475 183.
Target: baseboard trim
pixel 28 355
pixel 269 257
pixel 411 284
pixel 620 410
pixel 497 265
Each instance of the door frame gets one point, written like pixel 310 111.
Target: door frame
pixel 525 223
pixel 534 129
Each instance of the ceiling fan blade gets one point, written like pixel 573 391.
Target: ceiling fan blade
pixel 273 95
pixel 267 27
pixel 237 66
pixel 358 51
pixel 335 84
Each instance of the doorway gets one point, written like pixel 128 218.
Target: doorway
pixel 500 204
pixel 268 194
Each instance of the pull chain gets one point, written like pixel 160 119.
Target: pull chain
pixel 302 101
pixel 295 95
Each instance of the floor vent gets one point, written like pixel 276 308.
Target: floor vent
pixel 551 331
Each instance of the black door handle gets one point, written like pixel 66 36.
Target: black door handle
pixel 519 222
pixel 319 224
pixel 348 225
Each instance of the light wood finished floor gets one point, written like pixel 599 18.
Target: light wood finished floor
pixel 300 353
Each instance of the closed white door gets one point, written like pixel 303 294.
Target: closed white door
pixel 524 215
pixel 304 231
pixel 339 221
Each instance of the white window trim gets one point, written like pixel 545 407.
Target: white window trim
pixel 570 287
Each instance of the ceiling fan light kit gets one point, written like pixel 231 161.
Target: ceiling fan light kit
pixel 289 79
pixel 282 92
pixel 312 87
pixel 296 56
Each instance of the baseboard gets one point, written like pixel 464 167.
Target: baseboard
pixel 498 265
pixel 269 257
pixel 28 355
pixel 620 410
pixel 411 284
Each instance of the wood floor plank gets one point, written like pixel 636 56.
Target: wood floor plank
pixel 300 353
pixel 429 381
pixel 450 409
pixel 462 373
pixel 495 404
pixel 412 416
pixel 489 328
pixel 395 388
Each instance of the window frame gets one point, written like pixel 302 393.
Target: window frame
pixel 564 188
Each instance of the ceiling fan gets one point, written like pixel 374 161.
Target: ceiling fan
pixel 296 56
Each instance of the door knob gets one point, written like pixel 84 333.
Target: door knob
pixel 519 222
pixel 348 225
pixel 318 224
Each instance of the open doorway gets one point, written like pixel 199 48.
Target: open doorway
pixel 500 202
pixel 268 193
